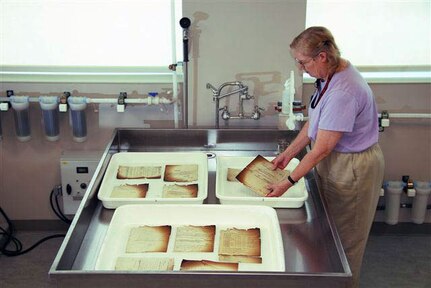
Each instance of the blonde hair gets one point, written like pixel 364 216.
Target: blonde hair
pixel 317 39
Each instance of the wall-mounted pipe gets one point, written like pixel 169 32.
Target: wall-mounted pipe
pixel 409 115
pixel 88 100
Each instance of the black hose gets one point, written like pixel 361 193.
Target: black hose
pixel 10 239
pixel 57 209
pixel 8 234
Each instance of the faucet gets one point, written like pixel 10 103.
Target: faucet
pixel 242 90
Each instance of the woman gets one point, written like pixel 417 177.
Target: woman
pixel 343 130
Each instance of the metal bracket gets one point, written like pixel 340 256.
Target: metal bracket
pixel 121 103
pixel 383 120
pixel 62 106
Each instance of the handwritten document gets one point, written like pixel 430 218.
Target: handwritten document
pixel 195 239
pixel 139 172
pixel 232 173
pixel 130 191
pixel 180 191
pixel 258 174
pixel 148 239
pixel 181 173
pixel 144 264
pixel 207 265
pixel 240 242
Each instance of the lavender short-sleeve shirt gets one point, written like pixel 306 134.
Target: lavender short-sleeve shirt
pixel 347 106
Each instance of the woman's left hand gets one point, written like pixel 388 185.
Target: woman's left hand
pixel 278 189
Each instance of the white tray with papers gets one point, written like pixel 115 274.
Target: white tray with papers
pixel 224 217
pixel 234 192
pixel 155 186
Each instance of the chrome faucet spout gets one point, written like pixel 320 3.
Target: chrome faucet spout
pixel 232 83
pixel 242 90
pixel 213 89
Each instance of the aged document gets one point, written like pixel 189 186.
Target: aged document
pixel 130 191
pixel 240 242
pixel 144 264
pixel 181 173
pixel 207 265
pixel 148 239
pixel 232 173
pixel 195 239
pixel 258 174
pixel 180 191
pixel 240 259
pixel 139 172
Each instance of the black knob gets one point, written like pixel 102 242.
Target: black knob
pixel 185 22
pixel 83 185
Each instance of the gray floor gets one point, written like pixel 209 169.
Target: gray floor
pixel 397 261
pixel 390 261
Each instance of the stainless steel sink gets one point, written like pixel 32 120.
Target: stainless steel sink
pixel 313 253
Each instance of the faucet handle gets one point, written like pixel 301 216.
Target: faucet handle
pixel 225 115
pixel 246 96
pixel 256 113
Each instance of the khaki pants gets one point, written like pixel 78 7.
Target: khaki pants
pixel 351 185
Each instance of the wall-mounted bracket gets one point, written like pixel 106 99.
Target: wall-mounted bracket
pixel 121 103
pixel 62 106
pixel 383 120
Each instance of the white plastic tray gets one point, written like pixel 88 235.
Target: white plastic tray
pixel 154 194
pixel 234 192
pixel 224 217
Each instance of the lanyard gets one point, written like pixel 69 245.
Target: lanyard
pixel 316 99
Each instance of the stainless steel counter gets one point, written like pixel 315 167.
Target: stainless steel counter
pixel 313 253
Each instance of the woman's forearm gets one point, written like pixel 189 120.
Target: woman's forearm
pixel 299 143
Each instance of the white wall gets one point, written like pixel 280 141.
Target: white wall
pixel 244 40
pixel 241 41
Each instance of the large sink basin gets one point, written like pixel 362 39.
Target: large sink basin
pixel 313 254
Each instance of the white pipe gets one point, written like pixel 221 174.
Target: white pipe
pixel 299 117
pixel 174 60
pixel 148 100
pixel 408 115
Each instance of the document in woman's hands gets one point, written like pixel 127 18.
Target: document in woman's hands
pixel 259 173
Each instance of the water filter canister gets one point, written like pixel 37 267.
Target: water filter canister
pixel 392 201
pixel 79 124
pixel 420 201
pixel 20 104
pixel 50 117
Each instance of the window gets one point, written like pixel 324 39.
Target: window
pixel 63 39
pixel 393 37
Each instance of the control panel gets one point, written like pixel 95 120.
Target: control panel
pixel 77 169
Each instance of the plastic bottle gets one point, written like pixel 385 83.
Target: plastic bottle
pixel 285 101
pixel 288 94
